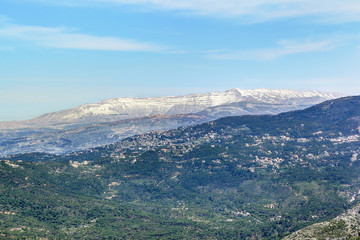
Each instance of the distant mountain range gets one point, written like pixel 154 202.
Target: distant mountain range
pixel 109 121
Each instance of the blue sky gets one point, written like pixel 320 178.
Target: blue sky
pixel 58 54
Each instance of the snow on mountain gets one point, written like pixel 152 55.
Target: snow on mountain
pixel 109 121
pixel 115 109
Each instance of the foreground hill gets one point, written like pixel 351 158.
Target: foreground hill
pixel 248 177
pixel 93 125
pixel 345 226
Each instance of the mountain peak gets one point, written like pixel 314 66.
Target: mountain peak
pixel 114 109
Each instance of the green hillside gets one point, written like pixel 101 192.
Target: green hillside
pixel 250 177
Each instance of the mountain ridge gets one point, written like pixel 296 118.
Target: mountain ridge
pixel 61 133
pixel 121 108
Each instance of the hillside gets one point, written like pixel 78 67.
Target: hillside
pixel 247 177
pixel 344 226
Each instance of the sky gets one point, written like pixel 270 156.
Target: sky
pixel 58 54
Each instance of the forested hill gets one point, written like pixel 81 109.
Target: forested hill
pixel 344 226
pixel 332 119
pixel 249 177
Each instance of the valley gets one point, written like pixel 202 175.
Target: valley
pixel 247 177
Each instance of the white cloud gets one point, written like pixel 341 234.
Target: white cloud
pixel 252 10
pixel 285 48
pixel 63 38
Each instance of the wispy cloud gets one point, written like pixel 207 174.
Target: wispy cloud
pixel 284 48
pixel 65 38
pixel 6 48
pixel 4 18
pixel 254 10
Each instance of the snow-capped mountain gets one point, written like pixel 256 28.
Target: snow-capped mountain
pixel 127 108
pixel 109 121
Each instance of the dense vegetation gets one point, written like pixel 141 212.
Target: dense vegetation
pixel 255 177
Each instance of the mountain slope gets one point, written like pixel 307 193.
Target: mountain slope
pixel 127 108
pixel 345 226
pixel 93 125
pixel 247 177
pixel 100 134
pixel 35 204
